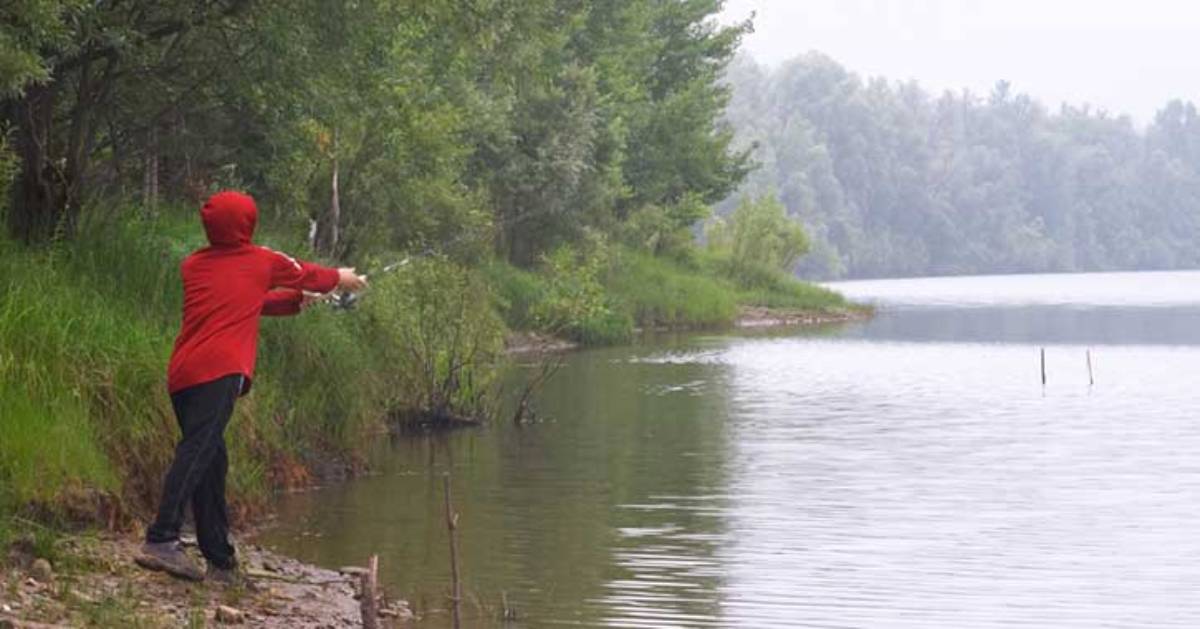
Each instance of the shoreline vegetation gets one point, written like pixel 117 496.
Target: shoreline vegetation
pixel 83 342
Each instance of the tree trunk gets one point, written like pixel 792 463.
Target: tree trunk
pixel 335 212
pixel 150 172
pixel 39 192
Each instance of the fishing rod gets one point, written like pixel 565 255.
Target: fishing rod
pixel 346 300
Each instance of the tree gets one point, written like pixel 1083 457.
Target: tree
pixel 95 53
pixel 759 235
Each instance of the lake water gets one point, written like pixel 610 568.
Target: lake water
pixel 911 471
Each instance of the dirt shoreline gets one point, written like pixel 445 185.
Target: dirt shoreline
pixel 748 318
pixel 97 584
pixel 759 317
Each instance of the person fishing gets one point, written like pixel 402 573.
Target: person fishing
pixel 227 287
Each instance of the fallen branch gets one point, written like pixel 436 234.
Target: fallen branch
pixel 370 596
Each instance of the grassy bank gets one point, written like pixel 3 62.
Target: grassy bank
pixel 85 333
pixel 632 290
pixel 86 330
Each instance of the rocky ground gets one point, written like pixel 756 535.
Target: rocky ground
pixel 93 582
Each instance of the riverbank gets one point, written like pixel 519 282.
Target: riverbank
pixel 757 317
pixel 94 582
pixel 88 428
pixel 748 318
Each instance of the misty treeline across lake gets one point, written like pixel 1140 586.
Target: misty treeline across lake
pixel 892 180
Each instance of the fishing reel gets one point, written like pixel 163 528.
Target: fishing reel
pixel 343 301
pixel 347 300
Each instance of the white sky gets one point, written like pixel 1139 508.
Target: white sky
pixel 1125 56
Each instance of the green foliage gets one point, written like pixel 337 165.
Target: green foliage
pixel 446 340
pixel 516 291
pixel 658 292
pixel 632 288
pixel 8 169
pixel 575 303
pixel 758 237
pixel 27 29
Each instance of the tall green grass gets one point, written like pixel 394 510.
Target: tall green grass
pixel 86 330
pixel 658 292
pixel 652 292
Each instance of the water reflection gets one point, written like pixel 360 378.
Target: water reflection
pixel 930 485
pixel 606 514
pixel 909 472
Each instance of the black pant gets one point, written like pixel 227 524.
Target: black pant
pixel 198 471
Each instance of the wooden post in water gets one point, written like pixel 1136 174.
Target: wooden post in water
pixel 369 603
pixel 1091 374
pixel 452 526
pixel 1043 366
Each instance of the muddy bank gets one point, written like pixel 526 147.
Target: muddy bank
pixel 536 343
pixel 749 317
pixel 759 317
pixel 93 581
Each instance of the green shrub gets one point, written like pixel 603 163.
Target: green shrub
pixel 575 303
pixel 659 292
pixel 447 340
pixel 516 292
pixel 758 235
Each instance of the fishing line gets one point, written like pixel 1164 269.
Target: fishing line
pixel 347 300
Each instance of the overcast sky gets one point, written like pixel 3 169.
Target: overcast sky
pixel 1121 55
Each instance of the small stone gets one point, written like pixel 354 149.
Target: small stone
pixel 271 566
pixel 353 571
pixel 399 610
pixel 229 616
pixel 41 570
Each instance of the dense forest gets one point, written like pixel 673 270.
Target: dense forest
pixel 891 180
pixel 541 119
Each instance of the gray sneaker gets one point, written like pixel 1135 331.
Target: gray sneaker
pixel 230 577
pixel 168 557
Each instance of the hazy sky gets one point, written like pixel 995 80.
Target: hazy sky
pixel 1120 55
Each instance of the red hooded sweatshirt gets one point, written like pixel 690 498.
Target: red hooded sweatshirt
pixel 227 286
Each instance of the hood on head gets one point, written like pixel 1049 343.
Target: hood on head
pixel 229 218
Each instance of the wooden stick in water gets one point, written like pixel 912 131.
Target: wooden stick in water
pixel 1043 366
pixel 1091 374
pixel 452 526
pixel 370 597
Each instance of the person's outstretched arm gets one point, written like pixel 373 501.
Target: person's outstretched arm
pixel 282 302
pixel 287 272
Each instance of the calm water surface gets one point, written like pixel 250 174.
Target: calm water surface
pixel 907 472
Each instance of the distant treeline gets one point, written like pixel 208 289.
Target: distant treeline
pixel 893 181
